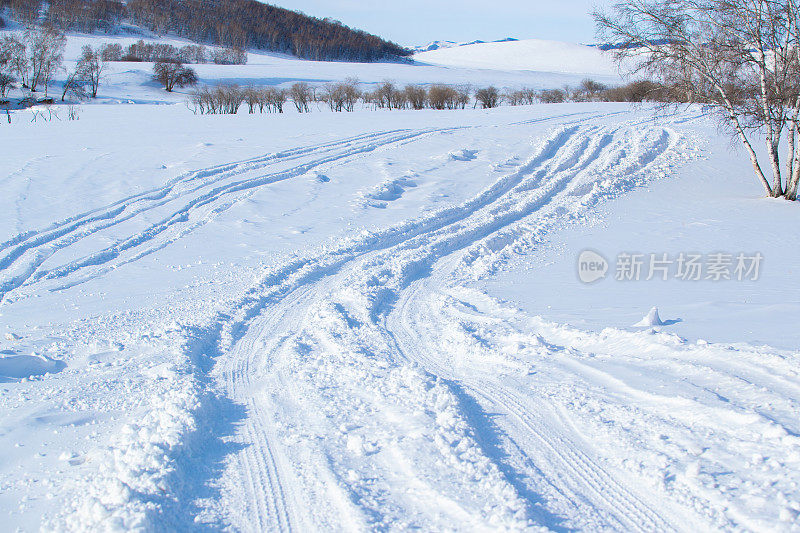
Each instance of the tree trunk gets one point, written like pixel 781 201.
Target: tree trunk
pixel 794 178
pixel 777 179
pixel 793 169
pixel 753 156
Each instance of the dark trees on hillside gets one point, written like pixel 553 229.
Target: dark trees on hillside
pixel 25 11
pixel 235 24
pixel 251 24
pixel 86 16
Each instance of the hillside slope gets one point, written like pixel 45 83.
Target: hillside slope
pixel 246 24
pixel 532 54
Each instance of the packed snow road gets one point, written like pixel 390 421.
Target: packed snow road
pixel 300 341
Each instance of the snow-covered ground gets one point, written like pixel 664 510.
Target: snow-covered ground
pixel 531 64
pixel 532 55
pixel 373 321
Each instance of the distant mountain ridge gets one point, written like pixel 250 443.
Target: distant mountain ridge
pixel 438 45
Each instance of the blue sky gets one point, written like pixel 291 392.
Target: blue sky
pixel 414 22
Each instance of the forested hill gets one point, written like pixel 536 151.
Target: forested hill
pixel 232 23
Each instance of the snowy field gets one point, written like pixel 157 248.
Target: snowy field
pixel 519 64
pixel 374 321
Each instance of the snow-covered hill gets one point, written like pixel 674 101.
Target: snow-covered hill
pixel 438 45
pixel 527 55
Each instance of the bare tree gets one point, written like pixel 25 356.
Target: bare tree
pixel 26 11
pixel 6 84
pixel 6 53
pixel 488 98
pixel 253 98
pixel 46 51
pixel 92 67
pixel 74 84
pixel 387 95
pixel 443 97
pixel 640 91
pixel 301 94
pixel 342 96
pixel 14 57
pixel 111 52
pixel 276 98
pixel 416 96
pixel 172 73
pixel 513 97
pixel 351 93
pixel 553 96
pixel 589 91
pixel 463 95
pixel 741 57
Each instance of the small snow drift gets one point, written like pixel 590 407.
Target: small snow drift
pixel 25 366
pixel 531 54
pixel 653 319
pixel 463 155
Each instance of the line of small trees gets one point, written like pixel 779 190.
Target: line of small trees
pixel 35 56
pixel 227 99
pixel 344 96
pixel 142 51
pixel 592 91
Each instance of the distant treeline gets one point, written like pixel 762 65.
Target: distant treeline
pixel 346 95
pixel 229 23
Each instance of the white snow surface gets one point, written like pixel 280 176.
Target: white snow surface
pixel 372 321
pixel 526 55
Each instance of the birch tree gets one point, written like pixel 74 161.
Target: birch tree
pixel 738 56
pixel 92 67
pixel 46 50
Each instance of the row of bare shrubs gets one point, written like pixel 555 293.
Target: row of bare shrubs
pixel 344 96
pixel 389 96
pixel 592 91
pixel 227 99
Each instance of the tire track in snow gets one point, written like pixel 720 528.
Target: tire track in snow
pixel 362 281
pixel 614 505
pixel 215 172
pixel 41 246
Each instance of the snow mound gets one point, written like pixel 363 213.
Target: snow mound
pixel 652 319
pixel 532 54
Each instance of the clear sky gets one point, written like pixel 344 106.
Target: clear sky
pixel 417 22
